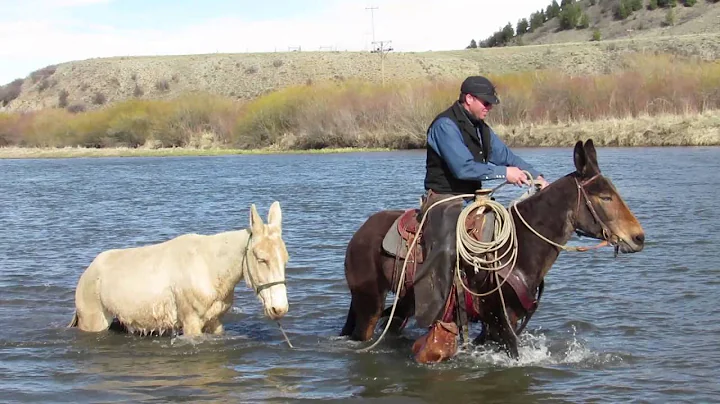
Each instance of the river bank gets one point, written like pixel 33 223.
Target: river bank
pixel 74 152
pixel 695 129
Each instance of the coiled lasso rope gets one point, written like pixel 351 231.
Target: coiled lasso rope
pixel 474 251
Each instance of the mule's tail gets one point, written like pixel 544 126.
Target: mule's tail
pixel 74 321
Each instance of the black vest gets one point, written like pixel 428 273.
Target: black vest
pixel 438 176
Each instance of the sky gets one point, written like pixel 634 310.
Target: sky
pixel 37 33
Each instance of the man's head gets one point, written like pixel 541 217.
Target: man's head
pixel 478 95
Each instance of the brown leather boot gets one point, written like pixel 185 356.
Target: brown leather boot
pixel 438 344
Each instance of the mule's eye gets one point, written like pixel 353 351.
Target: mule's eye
pixel 606 198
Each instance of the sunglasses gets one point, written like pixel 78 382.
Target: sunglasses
pixel 483 102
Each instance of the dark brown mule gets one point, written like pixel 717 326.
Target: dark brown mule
pixel 583 201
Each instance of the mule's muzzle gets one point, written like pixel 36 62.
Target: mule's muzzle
pixel 632 244
pixel 274 299
pixel 276 312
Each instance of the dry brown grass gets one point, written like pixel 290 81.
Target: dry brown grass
pixel 249 75
pixel 701 129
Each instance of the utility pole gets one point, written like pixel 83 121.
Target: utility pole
pixel 372 20
pixel 379 47
pixel 382 48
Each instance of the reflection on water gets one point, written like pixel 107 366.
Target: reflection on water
pixel 606 329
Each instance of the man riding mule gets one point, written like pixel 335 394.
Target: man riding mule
pixel 414 252
pixel 502 296
pixel 462 151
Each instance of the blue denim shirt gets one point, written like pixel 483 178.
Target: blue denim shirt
pixel 445 138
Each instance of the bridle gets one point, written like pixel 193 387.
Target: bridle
pixel 608 236
pixel 256 287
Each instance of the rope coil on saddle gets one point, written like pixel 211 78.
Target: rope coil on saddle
pixel 504 234
pixel 473 251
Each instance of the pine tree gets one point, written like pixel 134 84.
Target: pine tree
pixel 570 16
pixel 553 10
pixel 584 21
pixel 522 27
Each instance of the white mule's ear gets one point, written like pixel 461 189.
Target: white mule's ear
pixel 256 222
pixel 275 215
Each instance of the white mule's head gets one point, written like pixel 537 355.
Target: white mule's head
pixel 266 259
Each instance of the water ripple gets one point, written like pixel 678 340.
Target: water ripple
pixel 638 326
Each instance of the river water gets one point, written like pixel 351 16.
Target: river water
pixel 639 327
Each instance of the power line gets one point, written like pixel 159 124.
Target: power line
pixel 372 20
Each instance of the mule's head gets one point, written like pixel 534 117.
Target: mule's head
pixel 267 257
pixel 601 211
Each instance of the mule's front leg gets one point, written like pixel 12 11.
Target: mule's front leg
pixel 507 334
pixel 511 343
pixel 215 327
pixel 213 315
pixel 481 339
pixel 192 326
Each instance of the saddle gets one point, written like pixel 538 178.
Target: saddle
pixel 405 229
pixel 401 234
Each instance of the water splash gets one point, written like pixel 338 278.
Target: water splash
pixel 537 350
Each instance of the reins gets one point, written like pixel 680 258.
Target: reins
pixel 581 194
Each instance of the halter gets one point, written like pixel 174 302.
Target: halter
pixel 607 234
pixel 257 288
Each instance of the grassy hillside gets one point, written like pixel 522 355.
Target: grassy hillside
pixel 652 100
pixel 96 83
pixel 585 20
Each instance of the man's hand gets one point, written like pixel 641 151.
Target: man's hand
pixel 516 176
pixel 542 181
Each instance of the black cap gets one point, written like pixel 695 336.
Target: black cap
pixel 480 87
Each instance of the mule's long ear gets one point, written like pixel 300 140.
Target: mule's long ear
pixel 591 154
pixel 275 215
pixel 256 222
pixel 580 157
